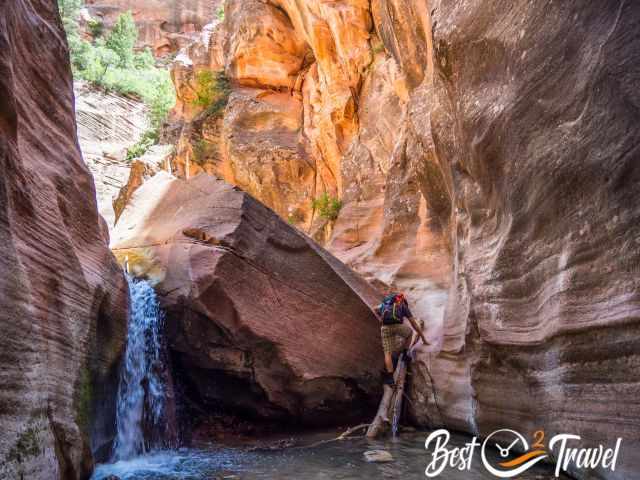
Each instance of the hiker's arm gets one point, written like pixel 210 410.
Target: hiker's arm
pixel 417 329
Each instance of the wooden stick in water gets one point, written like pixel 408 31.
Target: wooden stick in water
pixel 401 375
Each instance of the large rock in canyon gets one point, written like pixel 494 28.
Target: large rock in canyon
pixel 62 294
pixel 261 320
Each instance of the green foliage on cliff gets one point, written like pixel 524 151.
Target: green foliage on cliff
pixel 328 207
pixel 96 27
pixel 122 39
pixel 69 11
pixel 111 62
pixel 212 91
pixel 148 140
pixel 83 399
pixel 27 445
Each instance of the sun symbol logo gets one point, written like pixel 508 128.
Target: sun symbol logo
pixel 506 466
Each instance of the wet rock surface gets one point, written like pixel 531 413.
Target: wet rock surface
pixel 62 294
pixel 260 318
pixel 378 456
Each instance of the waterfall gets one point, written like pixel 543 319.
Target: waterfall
pixel 141 393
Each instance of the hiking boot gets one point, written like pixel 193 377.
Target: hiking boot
pixel 407 356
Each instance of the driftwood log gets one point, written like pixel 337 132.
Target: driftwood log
pixel 401 375
pixel 391 403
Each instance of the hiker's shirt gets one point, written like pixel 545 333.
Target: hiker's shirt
pixel 402 311
pixel 394 333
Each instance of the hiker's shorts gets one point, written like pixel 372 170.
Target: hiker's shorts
pixel 395 337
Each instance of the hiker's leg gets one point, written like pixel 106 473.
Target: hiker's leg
pixel 387 334
pixel 388 362
pixel 408 336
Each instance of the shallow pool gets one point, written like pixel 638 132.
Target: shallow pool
pixel 343 460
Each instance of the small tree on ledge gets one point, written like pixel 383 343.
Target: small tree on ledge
pixel 328 207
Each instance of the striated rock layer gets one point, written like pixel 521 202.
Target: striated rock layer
pixel 533 120
pixel 107 124
pixel 62 295
pixel 261 320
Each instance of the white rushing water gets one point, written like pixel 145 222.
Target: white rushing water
pixel 141 389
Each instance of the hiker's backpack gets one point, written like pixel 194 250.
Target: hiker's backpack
pixel 390 309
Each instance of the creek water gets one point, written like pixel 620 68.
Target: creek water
pixel 342 460
pixel 140 408
pixel 141 390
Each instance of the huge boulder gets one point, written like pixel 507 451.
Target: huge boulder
pixel 261 320
pixel 62 295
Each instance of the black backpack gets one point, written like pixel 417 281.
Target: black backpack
pixel 389 309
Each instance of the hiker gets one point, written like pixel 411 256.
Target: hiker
pixel 397 337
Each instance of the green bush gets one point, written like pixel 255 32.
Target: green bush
pixel 96 27
pixel 148 140
pixel 220 13
pixel 112 64
pixel 123 38
pixel 327 207
pixel 212 91
pixel 144 60
pixel 69 11
pixel 161 102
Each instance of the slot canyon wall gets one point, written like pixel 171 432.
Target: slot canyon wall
pixel 485 154
pixel 63 298
pixel 532 115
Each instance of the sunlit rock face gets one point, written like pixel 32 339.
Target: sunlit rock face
pixel 165 26
pixel 154 160
pixel 261 320
pixel 262 47
pixel 62 295
pixel 316 70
